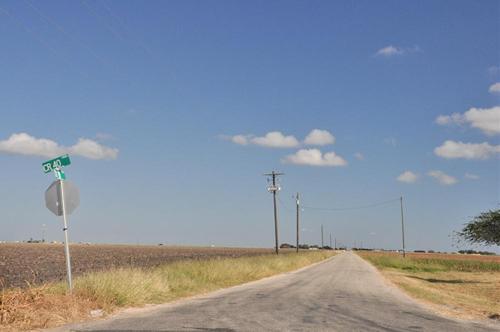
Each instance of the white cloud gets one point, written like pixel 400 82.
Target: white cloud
pixel 455 118
pixel 471 176
pixel 314 157
pixel 452 150
pixel 392 50
pixel 485 119
pixel 442 177
pixel 319 137
pixel 495 88
pixel 26 144
pixel 239 139
pixel 359 156
pixel 407 177
pixel 275 139
pixel 92 150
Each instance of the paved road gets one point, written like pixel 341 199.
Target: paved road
pixel 342 294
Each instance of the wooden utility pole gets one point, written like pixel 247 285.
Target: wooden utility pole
pixel 330 240
pixel 402 226
pixel 298 216
pixel 322 245
pixel 274 189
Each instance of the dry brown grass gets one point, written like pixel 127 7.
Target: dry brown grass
pixel 454 287
pixel 458 294
pixel 34 308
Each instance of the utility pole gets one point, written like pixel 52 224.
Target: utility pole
pixel 330 240
pixel 43 233
pixel 402 226
pixel 322 245
pixel 335 243
pixel 297 202
pixel 274 189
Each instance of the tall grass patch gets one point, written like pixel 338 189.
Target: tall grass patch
pixel 186 278
pixel 418 264
pixel 122 287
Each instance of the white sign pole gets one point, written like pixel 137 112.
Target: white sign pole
pixel 66 241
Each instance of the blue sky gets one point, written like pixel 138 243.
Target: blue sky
pixel 166 110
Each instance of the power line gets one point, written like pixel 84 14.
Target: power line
pixel 286 207
pixel 53 22
pixel 352 207
pixel 42 41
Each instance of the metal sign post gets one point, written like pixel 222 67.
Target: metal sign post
pixel 65 230
pixel 62 198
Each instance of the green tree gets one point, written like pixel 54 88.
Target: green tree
pixel 483 229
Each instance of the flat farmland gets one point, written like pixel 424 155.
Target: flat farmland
pixel 463 286
pixel 26 263
pixel 438 256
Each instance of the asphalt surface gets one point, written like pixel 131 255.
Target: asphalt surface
pixel 341 294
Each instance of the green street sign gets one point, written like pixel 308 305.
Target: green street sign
pixel 56 163
pixel 60 174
